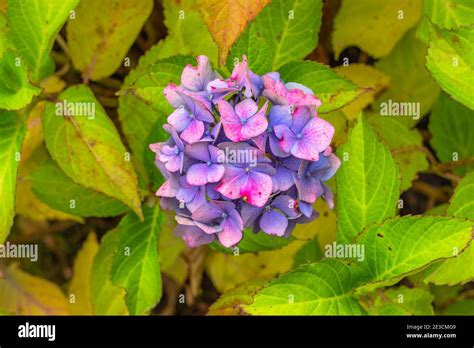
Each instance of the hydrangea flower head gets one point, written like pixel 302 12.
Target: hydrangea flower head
pixel 247 152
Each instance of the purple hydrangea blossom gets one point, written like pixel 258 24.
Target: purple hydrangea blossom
pixel 248 178
pixel 292 94
pixel 244 152
pixel 244 121
pixel 209 170
pixel 242 80
pixel 306 137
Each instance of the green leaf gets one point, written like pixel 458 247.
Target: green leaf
pixel 289 28
pixel 402 301
pixel 15 89
pixel 452 128
pixel 255 48
pixel 360 23
pixel 106 298
pixel 411 82
pixel 438 210
pixel 149 81
pixel 454 271
pixel 446 14
pixel 322 288
pixel 88 148
pixel 450 61
pixel 462 203
pixel 462 307
pixel 3 30
pixel 34 26
pixel 449 14
pixel 308 253
pixel 405 144
pixel 462 41
pixel 187 33
pixel 80 286
pixel 102 32
pixel 12 131
pixel 67 196
pixel 333 90
pixel 27 203
pixel 368 182
pixel 230 302
pixel 136 266
pixel 400 246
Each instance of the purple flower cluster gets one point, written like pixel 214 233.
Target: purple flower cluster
pixel 244 152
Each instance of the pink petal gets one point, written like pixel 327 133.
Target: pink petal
pixel 193 132
pixel 231 233
pixel 156 148
pixel 231 182
pixel 305 150
pixel 286 136
pixel 193 236
pixel 215 173
pixel 174 164
pixel 274 90
pixel 170 93
pixel 167 190
pixel 319 132
pixel 261 140
pixel 257 189
pixel 196 78
pixel 300 98
pixel 246 108
pixel 179 119
pixel 233 131
pixel 301 117
pixel 227 112
pixel 256 125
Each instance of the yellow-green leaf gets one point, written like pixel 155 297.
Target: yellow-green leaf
pixel 410 80
pixel 450 60
pixel 80 287
pixel 106 298
pixel 405 144
pixel 16 91
pixel 374 26
pixel 371 80
pixel 102 32
pixel 401 301
pixel 24 294
pixel 230 302
pixel 459 269
pixel 27 204
pixel 12 131
pixel 187 33
pixel 88 148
